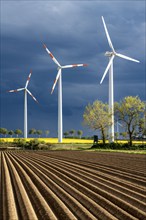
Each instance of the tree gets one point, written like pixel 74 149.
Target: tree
pixel 97 117
pixel 72 132
pixel 11 133
pixel 32 131
pixel 124 134
pixel 116 135
pixel 18 132
pixel 39 132
pixel 79 133
pixel 47 132
pixel 144 133
pixel 66 134
pixel 129 111
pixel 141 126
pixel 3 131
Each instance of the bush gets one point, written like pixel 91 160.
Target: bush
pixel 24 144
pixel 2 141
pixel 33 144
pixel 117 146
pixel 20 142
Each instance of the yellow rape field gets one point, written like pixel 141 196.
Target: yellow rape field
pixel 53 140
pixel 70 141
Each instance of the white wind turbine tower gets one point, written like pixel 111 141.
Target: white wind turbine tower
pixel 25 102
pixel 59 79
pixel 109 68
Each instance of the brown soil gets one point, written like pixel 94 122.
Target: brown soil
pixel 68 185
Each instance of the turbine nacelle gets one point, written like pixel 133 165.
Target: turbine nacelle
pixel 108 54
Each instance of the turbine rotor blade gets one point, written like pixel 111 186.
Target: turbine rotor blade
pixel 16 90
pixel 127 58
pixel 57 77
pixel 73 65
pixel 32 96
pixel 120 124
pixel 51 55
pixel 107 35
pixel 107 68
pixel 28 79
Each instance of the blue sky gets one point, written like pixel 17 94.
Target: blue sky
pixel 74 33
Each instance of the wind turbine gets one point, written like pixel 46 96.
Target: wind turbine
pixel 117 125
pixel 109 68
pixel 59 79
pixel 25 102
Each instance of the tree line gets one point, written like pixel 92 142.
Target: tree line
pixel 18 132
pixel 33 132
pixel 72 133
pixel 130 111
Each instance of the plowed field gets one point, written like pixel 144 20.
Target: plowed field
pixel 69 185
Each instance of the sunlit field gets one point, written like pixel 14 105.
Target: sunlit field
pixel 53 140
pixel 71 141
pixel 71 185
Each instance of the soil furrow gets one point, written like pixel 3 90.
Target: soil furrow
pixel 97 178
pixel 9 209
pixel 106 169
pixel 88 203
pixel 74 181
pixel 135 165
pixel 72 185
pixel 39 204
pixel 102 175
pixel 20 192
pixel 57 206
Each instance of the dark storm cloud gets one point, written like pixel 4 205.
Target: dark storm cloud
pixel 74 33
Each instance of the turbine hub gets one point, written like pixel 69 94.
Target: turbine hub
pixel 58 68
pixel 108 54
